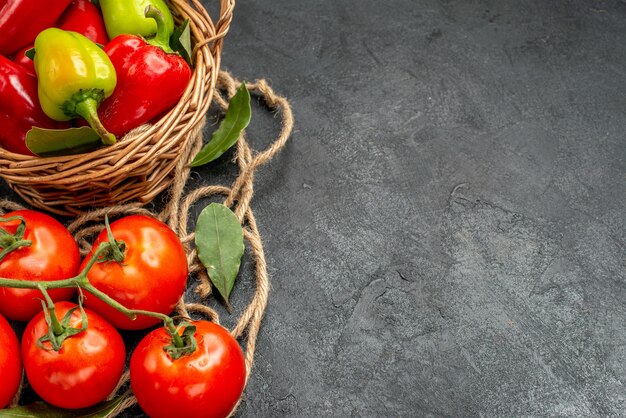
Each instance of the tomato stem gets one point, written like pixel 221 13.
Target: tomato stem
pixel 117 247
pixel 54 323
pixel 173 331
pixel 26 284
pixel 106 251
pixel 109 300
pixel 182 345
pixel 59 331
pixel 103 253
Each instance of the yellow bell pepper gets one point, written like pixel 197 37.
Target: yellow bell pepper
pixel 74 76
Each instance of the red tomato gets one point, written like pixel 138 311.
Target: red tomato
pixel 86 369
pixel 152 276
pixel 10 363
pixel 53 255
pixel 206 383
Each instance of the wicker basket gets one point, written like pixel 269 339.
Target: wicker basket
pixel 141 164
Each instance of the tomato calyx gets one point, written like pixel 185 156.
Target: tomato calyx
pixel 58 331
pixel 10 242
pixel 182 344
pixel 114 251
pixel 111 250
pixel 117 247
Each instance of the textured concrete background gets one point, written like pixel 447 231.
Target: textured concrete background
pixel 446 229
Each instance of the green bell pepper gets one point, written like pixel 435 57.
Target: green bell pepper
pixel 74 76
pixel 129 17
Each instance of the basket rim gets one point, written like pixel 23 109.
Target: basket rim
pixel 139 167
pixel 210 46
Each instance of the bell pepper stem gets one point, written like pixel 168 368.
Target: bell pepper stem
pixel 88 109
pixel 162 38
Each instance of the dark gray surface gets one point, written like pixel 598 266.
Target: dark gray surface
pixel 446 229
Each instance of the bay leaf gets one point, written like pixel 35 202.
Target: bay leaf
pixel 236 120
pixel 219 241
pixel 55 142
pixel 43 410
pixel 180 41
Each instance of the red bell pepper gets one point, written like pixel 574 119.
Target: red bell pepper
pixel 24 61
pixel 83 16
pixel 150 82
pixel 22 20
pixel 19 107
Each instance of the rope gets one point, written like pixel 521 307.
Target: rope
pixel 175 214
